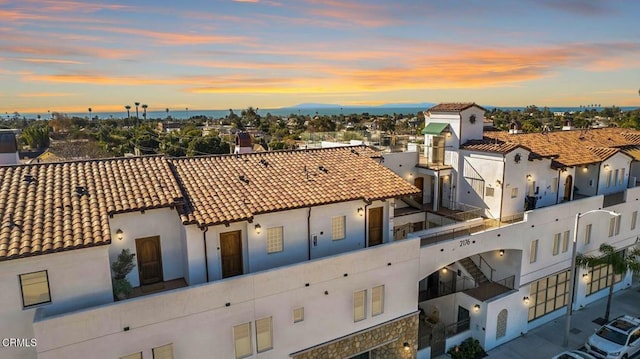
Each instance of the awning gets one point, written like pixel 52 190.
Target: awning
pixel 434 128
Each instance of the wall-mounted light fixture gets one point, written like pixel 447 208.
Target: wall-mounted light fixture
pixel 501 252
pixel 584 169
pixel 498 183
pixel 119 234
pixel 258 228
pixel 444 270
pixel 526 300
pixel 361 211
pixel 476 307
pixel 529 177
pixel 606 167
pixel 585 276
pixel 406 346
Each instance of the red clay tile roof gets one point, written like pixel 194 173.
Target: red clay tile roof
pixel 453 107
pixel 603 152
pixel 54 207
pixel 571 148
pixel 231 188
pixel 633 151
pixel 490 145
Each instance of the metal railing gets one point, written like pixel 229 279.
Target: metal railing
pixel 453 233
pixel 491 270
pixel 458 327
pixel 613 199
pixel 508 282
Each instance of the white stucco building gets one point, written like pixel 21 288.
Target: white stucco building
pixel 338 252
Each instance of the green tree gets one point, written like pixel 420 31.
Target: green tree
pixel 207 145
pixel 37 135
pixel 619 265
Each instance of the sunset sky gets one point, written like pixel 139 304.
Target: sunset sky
pixel 70 55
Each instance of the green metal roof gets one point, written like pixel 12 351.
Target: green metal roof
pixel 434 128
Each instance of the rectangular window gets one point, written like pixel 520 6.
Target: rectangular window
pixel 615 177
pixel 163 352
pixel 264 337
pixel 377 300
pixel 554 184
pixel 634 219
pixel 621 179
pixel 298 314
pixel 556 244
pixel 587 234
pixel 274 240
pixel 489 191
pixel 514 192
pixel 242 340
pixel 548 294
pixel 533 256
pixel 612 226
pixel 608 181
pixel 565 241
pixel 338 228
pixel 600 278
pixel 618 219
pixel 359 305
pixel 35 288
pixel 133 356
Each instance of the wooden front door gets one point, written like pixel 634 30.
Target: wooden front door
pixel 231 253
pixel 419 182
pixel 375 226
pixel 149 260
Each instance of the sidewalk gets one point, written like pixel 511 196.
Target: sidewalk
pixel 546 340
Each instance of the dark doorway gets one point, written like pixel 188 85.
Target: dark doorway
pixel 568 188
pixel 149 260
pixel 419 182
pixel 463 320
pixel 231 253
pixel 375 226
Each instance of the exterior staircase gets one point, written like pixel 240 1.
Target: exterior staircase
pixel 474 271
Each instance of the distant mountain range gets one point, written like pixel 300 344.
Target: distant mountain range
pixel 336 106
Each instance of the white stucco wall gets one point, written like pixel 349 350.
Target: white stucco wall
pixel 489 166
pixel 198 322
pixel 163 222
pixel 586 179
pixel 515 177
pixel 77 279
pixel 614 165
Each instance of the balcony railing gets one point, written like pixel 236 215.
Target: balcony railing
pixel 612 199
pixel 487 224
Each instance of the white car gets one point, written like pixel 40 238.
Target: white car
pixel 574 354
pixel 618 339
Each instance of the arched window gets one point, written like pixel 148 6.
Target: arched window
pixel 501 329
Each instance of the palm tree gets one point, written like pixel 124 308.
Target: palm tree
pixel 144 114
pixel 89 113
pixel 167 109
pixel 128 108
pixel 619 265
pixel 137 115
pixel 187 109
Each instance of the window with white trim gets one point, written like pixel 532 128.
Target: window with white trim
pixel 556 243
pixel 533 255
pixel 587 234
pixel 377 300
pixel 163 352
pixel 242 340
pixel 264 335
pixel 608 181
pixel 489 192
pixel 338 225
pixel 274 240
pixel 548 294
pixel 298 314
pixel 514 192
pixel 634 219
pixel 600 277
pixel 35 288
pixel 615 177
pixel 137 355
pixel 621 180
pixel 360 305
pixel 565 241
pixel 612 226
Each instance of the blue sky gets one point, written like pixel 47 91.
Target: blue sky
pixel 71 55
